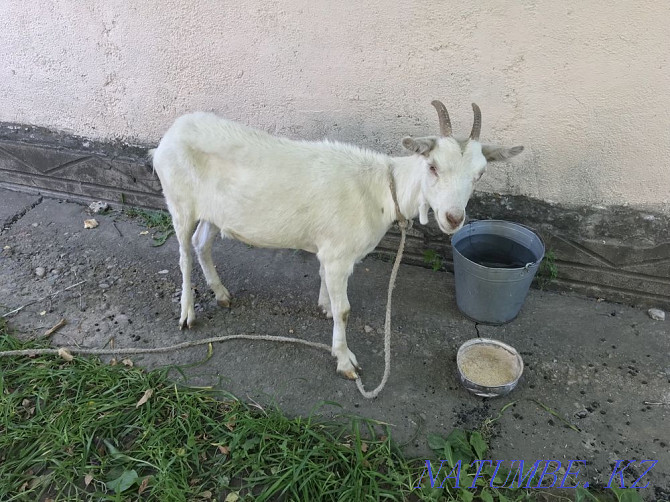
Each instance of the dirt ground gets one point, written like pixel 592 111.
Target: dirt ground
pixel 603 367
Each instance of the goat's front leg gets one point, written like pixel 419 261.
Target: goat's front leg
pixel 324 297
pixel 337 275
pixel 202 242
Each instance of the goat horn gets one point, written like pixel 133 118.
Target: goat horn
pixel 443 115
pixel 477 125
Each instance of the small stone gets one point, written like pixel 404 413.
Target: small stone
pixel 656 314
pixel 582 414
pixel 165 271
pixel 92 223
pixel 40 271
pixel 368 329
pixel 98 207
pixel 103 285
pixel 35 224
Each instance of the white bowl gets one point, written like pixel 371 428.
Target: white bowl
pixel 488 368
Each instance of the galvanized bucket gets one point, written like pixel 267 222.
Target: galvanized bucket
pixel 494 264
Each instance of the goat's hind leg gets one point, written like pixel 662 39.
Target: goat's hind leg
pixel 324 296
pixel 202 242
pixel 183 227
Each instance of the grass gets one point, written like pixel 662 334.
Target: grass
pixel 74 431
pixel 84 430
pixel 548 270
pixel 158 221
pixel 433 259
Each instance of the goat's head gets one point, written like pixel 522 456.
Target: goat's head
pixel 451 169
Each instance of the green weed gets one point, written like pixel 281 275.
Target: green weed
pixel 158 221
pixel 433 259
pixel 548 270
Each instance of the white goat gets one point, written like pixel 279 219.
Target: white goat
pixel 327 198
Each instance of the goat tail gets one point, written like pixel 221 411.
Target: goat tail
pixel 150 159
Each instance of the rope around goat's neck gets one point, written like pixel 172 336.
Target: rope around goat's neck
pixel 403 223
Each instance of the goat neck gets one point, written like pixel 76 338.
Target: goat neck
pixel 406 172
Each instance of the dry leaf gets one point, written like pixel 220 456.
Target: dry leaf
pixel 205 495
pixel 112 362
pixel 87 479
pixel 230 426
pixel 144 233
pixel 127 362
pixel 224 449
pixel 143 485
pixel 92 223
pixel 232 497
pixel 147 394
pixel 7 247
pixel 43 312
pixel 65 354
pixel 364 447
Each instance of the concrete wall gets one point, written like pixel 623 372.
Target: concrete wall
pixel 583 85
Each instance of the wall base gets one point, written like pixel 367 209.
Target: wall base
pixel 616 253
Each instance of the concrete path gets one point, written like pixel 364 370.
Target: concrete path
pixel 594 363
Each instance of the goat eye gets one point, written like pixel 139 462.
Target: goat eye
pixel 433 170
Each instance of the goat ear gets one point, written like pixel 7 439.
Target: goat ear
pixel 422 146
pixel 495 153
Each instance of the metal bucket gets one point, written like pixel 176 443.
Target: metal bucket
pixel 494 264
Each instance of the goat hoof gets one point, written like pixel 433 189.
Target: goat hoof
pixel 349 375
pixel 348 367
pixel 224 302
pixel 325 310
pixel 187 322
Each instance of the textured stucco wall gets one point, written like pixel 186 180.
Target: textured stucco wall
pixel 583 85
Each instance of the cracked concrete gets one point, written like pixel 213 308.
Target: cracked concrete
pixel 14 207
pixel 593 363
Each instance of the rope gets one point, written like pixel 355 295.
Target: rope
pixel 158 350
pixel 387 323
pixel 403 223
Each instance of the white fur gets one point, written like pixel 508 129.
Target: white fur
pixel 327 198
